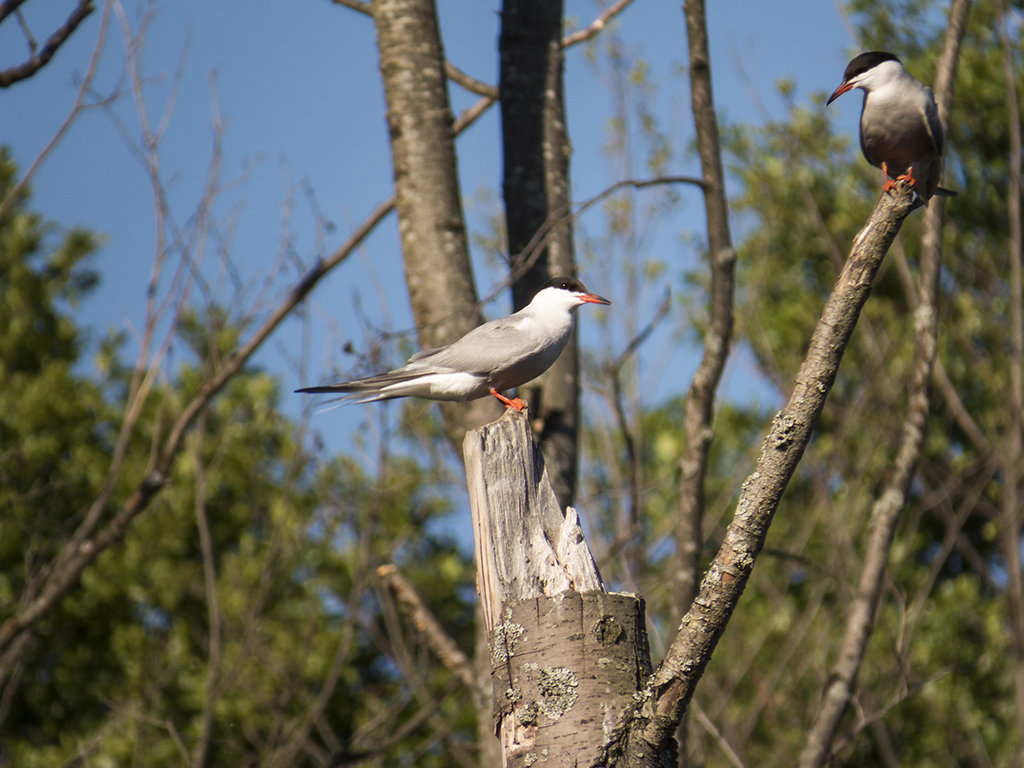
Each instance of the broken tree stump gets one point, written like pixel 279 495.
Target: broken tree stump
pixel 566 655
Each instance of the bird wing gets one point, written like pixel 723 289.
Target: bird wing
pixel 934 125
pixel 484 349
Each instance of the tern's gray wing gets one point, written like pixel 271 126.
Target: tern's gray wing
pixel 487 348
pixel 425 353
pixel 934 125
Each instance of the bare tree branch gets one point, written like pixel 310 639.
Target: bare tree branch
pixel 671 687
pixel 886 510
pixel 596 25
pixel 357 5
pixel 7 7
pixel 631 438
pixel 76 109
pixel 39 59
pixel 468 82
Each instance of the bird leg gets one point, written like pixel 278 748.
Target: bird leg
pixel 515 402
pixel 887 183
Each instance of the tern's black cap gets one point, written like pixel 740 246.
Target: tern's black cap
pixel 865 61
pixel 565 283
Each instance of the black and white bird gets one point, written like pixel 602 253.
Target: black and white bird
pixel 493 357
pixel 900 130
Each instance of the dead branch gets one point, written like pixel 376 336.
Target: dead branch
pixel 671 687
pixel 886 510
pixel 596 25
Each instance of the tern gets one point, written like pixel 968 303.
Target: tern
pixel 900 130
pixel 495 356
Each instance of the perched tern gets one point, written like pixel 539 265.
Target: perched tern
pixel 900 131
pixel 495 356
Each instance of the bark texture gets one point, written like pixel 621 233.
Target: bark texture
pixel 431 226
pixel 536 191
pixel 566 657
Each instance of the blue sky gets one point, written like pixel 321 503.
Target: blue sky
pixel 298 93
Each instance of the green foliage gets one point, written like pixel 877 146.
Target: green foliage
pixel 277 619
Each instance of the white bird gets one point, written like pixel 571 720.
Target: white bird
pixel 492 357
pixel 900 130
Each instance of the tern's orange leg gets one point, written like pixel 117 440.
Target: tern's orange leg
pixel 887 183
pixel 515 402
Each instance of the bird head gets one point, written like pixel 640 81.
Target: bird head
pixel 869 70
pixel 568 291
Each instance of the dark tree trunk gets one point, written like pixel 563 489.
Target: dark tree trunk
pixel 536 190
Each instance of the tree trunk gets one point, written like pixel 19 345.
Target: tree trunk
pixel 567 657
pixel 430 221
pixel 536 191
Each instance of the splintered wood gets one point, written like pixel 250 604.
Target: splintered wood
pixel 567 657
pixel 524 545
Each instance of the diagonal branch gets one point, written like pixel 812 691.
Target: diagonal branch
pixel 886 509
pixel 71 562
pixel 670 689
pixel 41 58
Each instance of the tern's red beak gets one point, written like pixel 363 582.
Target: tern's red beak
pixel 593 298
pixel 843 88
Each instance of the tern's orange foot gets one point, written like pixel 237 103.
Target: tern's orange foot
pixel 515 402
pixel 907 177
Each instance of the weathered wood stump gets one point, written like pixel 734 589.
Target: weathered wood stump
pixel 566 655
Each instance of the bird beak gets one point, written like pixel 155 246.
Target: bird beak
pixel 593 298
pixel 843 88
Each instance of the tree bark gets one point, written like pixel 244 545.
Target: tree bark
pixel 431 226
pixel 566 656
pixel 536 191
